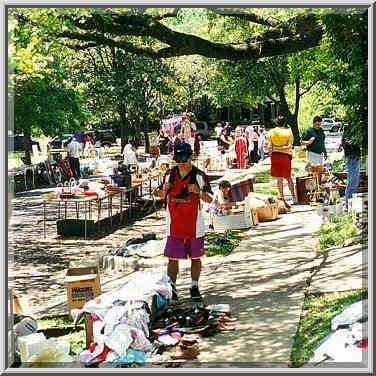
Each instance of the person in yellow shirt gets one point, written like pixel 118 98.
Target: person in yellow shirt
pixel 280 151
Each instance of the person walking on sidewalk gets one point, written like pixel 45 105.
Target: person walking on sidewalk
pixel 280 148
pixel 261 143
pixel 183 187
pixel 352 155
pixel 73 148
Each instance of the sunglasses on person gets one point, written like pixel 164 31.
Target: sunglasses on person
pixel 180 161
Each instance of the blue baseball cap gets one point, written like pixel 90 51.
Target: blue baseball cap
pixel 182 151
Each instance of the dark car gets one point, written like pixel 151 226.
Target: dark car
pixel 57 142
pixel 106 137
pixel 16 142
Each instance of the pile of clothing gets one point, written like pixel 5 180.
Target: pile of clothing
pixel 137 324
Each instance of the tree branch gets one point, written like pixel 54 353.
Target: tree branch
pixel 294 35
pixel 251 17
pixel 309 88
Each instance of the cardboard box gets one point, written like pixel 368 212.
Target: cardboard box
pixel 232 222
pixel 254 217
pixel 83 284
pixel 270 213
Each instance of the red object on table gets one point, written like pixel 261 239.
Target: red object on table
pixel 91 194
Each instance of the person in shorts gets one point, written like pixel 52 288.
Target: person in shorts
pixel 280 146
pixel 314 139
pixel 184 186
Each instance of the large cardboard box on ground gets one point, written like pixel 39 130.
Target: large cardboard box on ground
pixel 269 213
pixel 236 221
pixel 83 284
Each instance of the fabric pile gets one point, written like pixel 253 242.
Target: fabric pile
pixel 137 325
pixel 121 318
pixel 349 342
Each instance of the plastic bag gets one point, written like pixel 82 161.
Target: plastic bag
pixel 351 314
pixel 48 356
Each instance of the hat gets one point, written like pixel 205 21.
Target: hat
pixel 182 151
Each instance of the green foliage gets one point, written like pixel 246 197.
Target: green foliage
pixel 315 322
pixel 346 48
pixel 39 104
pixel 336 230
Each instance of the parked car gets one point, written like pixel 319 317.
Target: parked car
pixel 57 142
pixel 16 142
pixel 329 124
pixel 106 136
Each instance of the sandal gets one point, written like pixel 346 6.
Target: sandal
pixel 182 352
pixel 227 318
pixel 224 327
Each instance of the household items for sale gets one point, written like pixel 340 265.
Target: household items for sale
pixel 123 315
pixel 141 247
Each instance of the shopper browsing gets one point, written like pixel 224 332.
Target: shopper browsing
pixel 184 186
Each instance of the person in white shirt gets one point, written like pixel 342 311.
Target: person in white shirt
pixel 73 148
pixel 218 132
pixel 130 154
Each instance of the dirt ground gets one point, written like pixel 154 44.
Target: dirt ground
pixel 37 265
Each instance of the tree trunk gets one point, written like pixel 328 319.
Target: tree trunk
pixel 146 133
pixel 123 127
pixel 295 129
pixel 27 145
pixel 292 119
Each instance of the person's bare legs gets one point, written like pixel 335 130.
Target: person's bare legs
pixel 173 269
pixel 291 187
pixel 195 269
pixel 280 187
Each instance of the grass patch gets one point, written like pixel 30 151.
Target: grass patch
pixel 336 230
pixel 315 322
pixel 266 191
pixel 77 339
pixel 262 176
pixel 211 249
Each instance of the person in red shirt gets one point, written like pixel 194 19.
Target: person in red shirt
pixel 240 148
pixel 183 187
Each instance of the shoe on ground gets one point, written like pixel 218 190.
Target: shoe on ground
pixel 195 293
pixel 295 201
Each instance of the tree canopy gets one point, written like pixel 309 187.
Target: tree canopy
pixel 229 56
pixel 144 31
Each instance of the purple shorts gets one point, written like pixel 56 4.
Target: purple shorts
pixel 184 248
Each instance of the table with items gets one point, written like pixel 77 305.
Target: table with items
pixel 78 213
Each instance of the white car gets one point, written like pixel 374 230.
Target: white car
pixel 329 124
